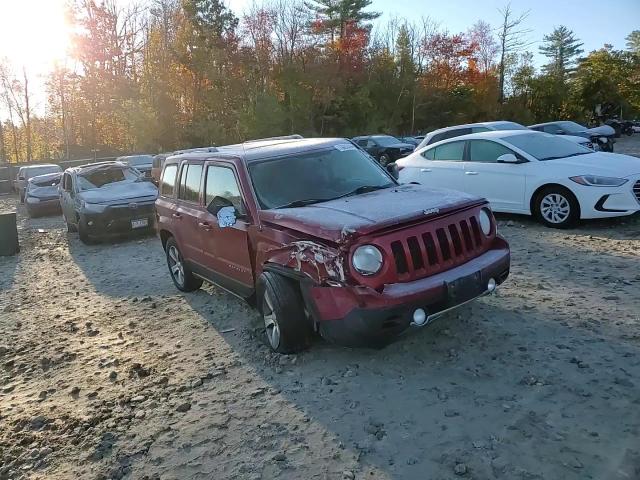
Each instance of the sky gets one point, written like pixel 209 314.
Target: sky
pixel 33 33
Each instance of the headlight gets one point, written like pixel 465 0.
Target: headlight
pixel 485 221
pixel 367 260
pixel 93 207
pixel 596 181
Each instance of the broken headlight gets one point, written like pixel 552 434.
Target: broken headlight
pixel 367 260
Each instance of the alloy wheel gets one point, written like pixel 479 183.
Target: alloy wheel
pixel 555 208
pixel 175 265
pixel 271 326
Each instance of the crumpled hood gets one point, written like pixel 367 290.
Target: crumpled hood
pixel 119 191
pixel 604 130
pixel 338 219
pixel 600 163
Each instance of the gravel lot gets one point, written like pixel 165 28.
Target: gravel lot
pixel 107 371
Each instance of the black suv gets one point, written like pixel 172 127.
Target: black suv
pixel 106 198
pixel 384 148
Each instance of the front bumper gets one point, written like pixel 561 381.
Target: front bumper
pixel 118 220
pixel 360 316
pixel 606 202
pixel 43 207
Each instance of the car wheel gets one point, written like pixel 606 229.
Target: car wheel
pixel 285 322
pixel 384 159
pixel 182 277
pixel 556 207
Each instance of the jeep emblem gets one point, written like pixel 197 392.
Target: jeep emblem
pixel 431 211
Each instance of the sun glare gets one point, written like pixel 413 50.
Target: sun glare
pixel 33 33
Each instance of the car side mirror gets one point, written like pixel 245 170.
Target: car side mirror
pixel 217 203
pixel 393 170
pixel 508 158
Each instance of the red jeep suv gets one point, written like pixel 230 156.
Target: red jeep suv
pixel 321 238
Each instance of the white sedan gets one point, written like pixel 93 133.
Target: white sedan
pixel 531 173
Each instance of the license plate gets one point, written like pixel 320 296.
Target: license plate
pixel 465 288
pixel 140 223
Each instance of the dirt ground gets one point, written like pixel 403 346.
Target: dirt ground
pixel 107 371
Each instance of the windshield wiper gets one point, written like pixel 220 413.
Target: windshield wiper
pixel 302 203
pixel 364 189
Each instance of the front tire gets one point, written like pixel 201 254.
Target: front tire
pixel 556 207
pixel 83 234
pixel 182 277
pixel 286 325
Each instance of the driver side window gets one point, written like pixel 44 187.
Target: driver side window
pixel 221 182
pixel 486 151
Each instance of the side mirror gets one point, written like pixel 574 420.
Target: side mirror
pixel 393 170
pixel 217 203
pixel 508 158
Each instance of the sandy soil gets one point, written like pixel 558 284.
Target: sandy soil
pixel 107 371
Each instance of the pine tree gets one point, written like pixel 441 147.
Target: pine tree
pixel 562 48
pixel 333 16
pixel 633 42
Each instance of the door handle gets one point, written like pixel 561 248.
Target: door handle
pixel 471 173
pixel 176 215
pixel 204 225
pixel 425 169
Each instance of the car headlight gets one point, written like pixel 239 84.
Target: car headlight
pixel 93 207
pixel 367 260
pixel 596 181
pixel 485 221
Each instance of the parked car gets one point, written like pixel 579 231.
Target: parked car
pixel 30 171
pixel 410 140
pixel 458 130
pixel 41 195
pixel 321 238
pixel 107 198
pixel 531 173
pixel 156 167
pixel 142 163
pixel 384 148
pixel 603 136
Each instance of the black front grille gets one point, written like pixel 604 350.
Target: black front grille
pixel 636 190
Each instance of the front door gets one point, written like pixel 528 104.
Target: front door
pixel 225 240
pixel 503 184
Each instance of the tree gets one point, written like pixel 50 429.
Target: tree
pixel 512 40
pixel 482 35
pixel 562 48
pixel 633 42
pixel 335 16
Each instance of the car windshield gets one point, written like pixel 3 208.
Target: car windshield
pixel 139 160
pixel 508 126
pixel 35 171
pixel 99 177
pixel 386 140
pixel 571 127
pixel 46 182
pixel 315 177
pixel 545 146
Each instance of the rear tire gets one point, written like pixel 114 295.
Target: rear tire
pixel 286 325
pixel 556 207
pixel 182 277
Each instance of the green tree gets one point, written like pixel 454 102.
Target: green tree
pixel 633 42
pixel 562 48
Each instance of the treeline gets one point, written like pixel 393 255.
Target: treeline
pixel 170 74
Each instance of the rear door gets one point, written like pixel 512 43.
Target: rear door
pixel 503 184
pixel 187 210
pixel 225 244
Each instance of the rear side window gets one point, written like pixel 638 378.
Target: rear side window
pixel 190 182
pixel 221 182
pixel 168 181
pixel 486 151
pixel 428 154
pixel 453 151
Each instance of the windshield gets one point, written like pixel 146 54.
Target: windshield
pixel 546 146
pixel 508 126
pixel 47 182
pixel 139 160
pixel 386 140
pixel 315 177
pixel 99 177
pixel 571 127
pixel 35 171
